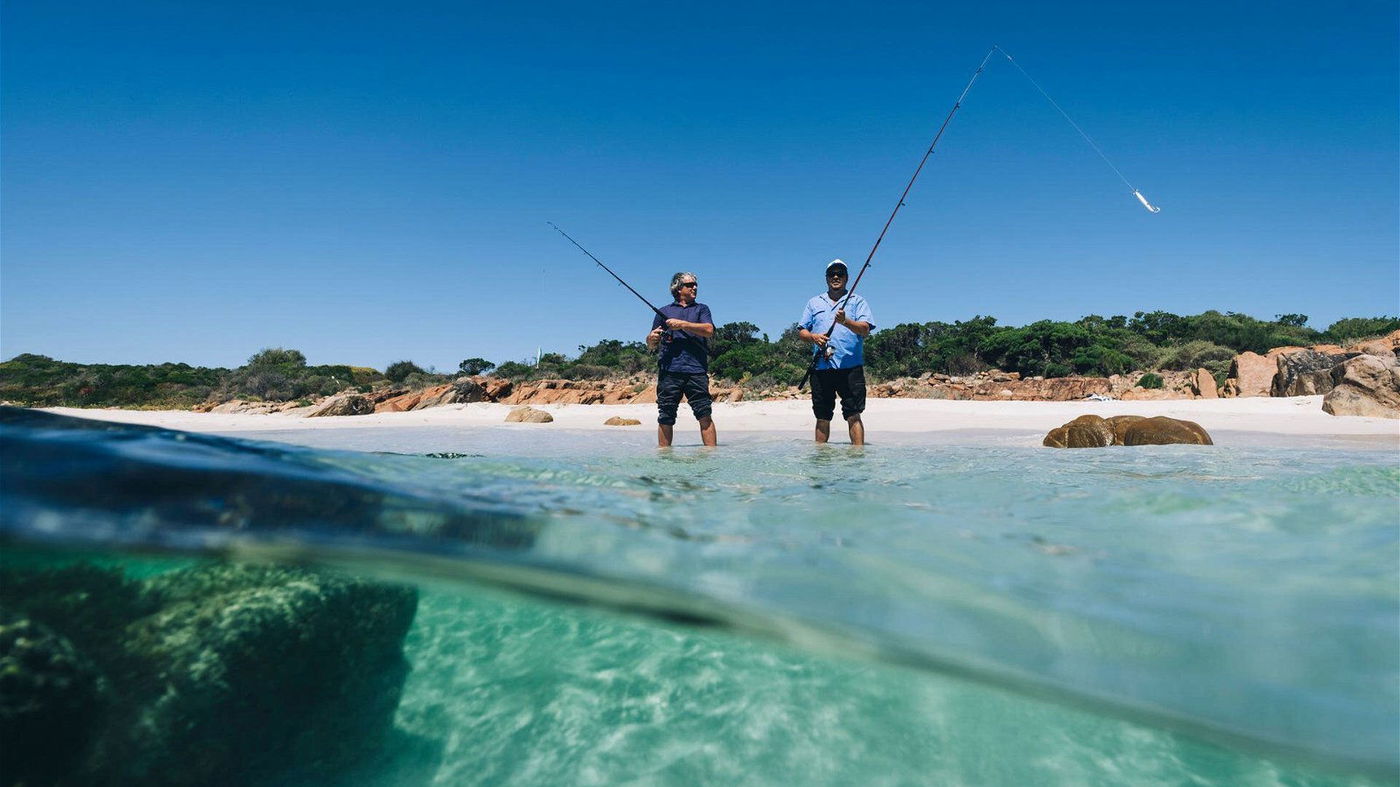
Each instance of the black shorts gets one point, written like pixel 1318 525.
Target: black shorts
pixel 827 383
pixel 670 386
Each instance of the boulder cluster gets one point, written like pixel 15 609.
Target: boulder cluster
pixel 1091 431
pixel 221 674
pixel 1362 379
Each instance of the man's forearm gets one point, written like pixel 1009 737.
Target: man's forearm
pixel 702 329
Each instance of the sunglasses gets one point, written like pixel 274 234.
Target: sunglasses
pixel 696 285
pixel 837 275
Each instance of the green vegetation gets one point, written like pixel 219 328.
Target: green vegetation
pixel 1092 346
pixel 398 371
pixel 475 366
pixel 274 374
pixel 1151 380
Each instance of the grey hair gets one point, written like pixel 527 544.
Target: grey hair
pixel 676 281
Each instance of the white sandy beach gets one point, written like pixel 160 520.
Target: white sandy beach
pixel 1255 419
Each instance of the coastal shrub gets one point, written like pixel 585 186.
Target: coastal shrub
pixel 1151 380
pixel 620 356
pixel 277 357
pixel 1194 354
pixel 1042 348
pixel 1354 328
pixel 514 371
pixel 584 371
pixel 364 375
pixel 398 371
pixel 475 366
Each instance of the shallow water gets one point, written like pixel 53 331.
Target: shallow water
pixel 1220 614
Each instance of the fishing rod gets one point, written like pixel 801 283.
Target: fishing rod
pixel 825 351
pixel 659 313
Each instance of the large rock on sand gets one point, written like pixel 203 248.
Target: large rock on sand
pixel 1203 384
pixel 1091 431
pixel 528 415
pixel 344 404
pixel 1251 374
pixel 1367 385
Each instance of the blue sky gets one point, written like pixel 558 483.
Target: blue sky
pixel 370 182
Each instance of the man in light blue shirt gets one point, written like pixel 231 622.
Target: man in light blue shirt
pixel 841 356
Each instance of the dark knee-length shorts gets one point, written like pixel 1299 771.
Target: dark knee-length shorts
pixel 827 383
pixel 671 386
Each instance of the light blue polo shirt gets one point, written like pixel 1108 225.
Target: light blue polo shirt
pixel 847 346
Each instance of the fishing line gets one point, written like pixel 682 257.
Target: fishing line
pixel 1086 137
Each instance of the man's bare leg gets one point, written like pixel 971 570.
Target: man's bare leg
pixel 707 431
pixel 663 435
pixel 857 429
pixel 823 430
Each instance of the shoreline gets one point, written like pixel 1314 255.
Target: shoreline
pixel 1259 419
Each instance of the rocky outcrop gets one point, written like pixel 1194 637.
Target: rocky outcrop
pixel 528 415
pixel 226 674
pixel 344 404
pixel 250 407
pixel 620 421
pixel 1091 431
pixel 1305 372
pixel 1367 385
pixel 1386 345
pixel 462 391
pixel 495 388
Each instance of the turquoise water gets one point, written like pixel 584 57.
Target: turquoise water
pixel 987 612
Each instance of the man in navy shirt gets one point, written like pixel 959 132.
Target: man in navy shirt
pixel 684 363
pixel 840 357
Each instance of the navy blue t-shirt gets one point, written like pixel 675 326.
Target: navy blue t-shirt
pixel 685 353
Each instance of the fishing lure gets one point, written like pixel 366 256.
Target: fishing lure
pixel 1150 207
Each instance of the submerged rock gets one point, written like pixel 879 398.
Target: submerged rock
pixel 1086 431
pixel 51 697
pixel 1119 424
pixel 618 420
pixel 225 674
pixel 1162 430
pixel 1091 431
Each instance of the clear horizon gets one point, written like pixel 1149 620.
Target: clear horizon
pixel 367 185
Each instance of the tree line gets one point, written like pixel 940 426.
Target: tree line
pixel 739 353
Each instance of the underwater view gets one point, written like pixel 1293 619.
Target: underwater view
pixel 392 609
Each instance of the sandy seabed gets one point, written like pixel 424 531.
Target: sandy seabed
pixel 1280 421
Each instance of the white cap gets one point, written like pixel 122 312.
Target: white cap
pixel 835 263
